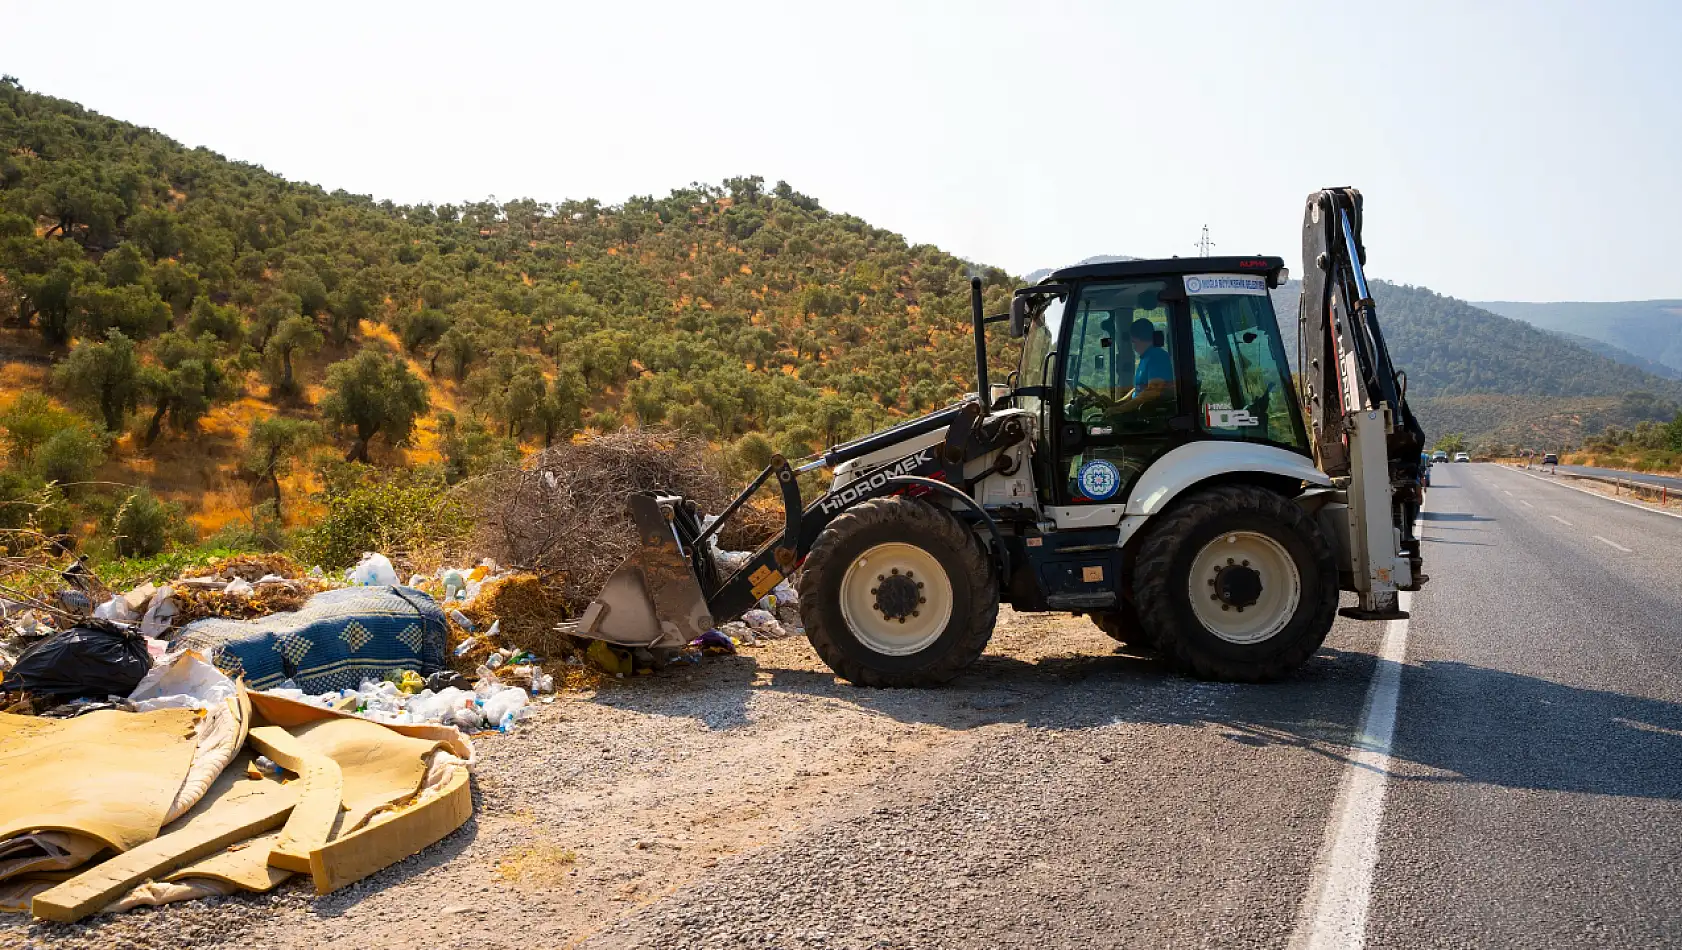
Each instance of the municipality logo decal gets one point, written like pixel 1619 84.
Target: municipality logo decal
pixel 1208 284
pixel 1099 479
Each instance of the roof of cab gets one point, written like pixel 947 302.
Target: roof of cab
pixel 1169 267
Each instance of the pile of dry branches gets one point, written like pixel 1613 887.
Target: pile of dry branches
pixel 563 516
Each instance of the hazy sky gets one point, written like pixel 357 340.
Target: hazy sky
pixel 1524 151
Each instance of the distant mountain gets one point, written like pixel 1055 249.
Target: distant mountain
pixel 1620 355
pixel 1650 328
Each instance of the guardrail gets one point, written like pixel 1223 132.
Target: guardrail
pixel 1659 494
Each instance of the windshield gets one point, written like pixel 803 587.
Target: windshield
pixel 1242 377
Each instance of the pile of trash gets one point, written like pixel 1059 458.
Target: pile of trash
pixel 193 786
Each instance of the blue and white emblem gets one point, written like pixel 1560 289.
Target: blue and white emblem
pixel 1099 479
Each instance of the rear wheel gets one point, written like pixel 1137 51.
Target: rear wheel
pixel 897 592
pixel 1236 583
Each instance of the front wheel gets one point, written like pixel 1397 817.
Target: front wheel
pixel 897 592
pixel 1236 583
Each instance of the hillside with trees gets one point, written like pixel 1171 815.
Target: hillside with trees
pixel 194 342
pixel 189 312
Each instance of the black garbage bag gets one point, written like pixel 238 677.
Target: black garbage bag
pixel 95 659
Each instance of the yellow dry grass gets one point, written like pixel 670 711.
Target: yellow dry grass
pixel 540 864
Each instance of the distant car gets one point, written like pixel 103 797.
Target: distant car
pixel 1462 457
pixel 1439 456
pixel 1550 459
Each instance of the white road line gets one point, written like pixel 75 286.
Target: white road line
pixel 1612 544
pixel 1592 494
pixel 1562 521
pixel 1333 915
pixel 1525 503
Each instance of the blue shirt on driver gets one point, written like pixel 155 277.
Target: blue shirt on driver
pixel 1153 366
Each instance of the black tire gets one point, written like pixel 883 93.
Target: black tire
pixel 1164 565
pixel 1122 625
pixel 975 593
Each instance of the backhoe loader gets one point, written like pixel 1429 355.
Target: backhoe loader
pixel 1153 463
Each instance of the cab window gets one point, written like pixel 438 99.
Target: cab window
pixel 1119 372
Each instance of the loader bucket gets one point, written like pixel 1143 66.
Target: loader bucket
pixel 654 599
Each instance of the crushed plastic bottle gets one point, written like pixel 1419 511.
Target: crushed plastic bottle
pixel 462 621
pixel 466 645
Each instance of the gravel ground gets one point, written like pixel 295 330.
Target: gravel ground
pixel 609 801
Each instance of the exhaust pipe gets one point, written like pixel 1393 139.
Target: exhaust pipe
pixel 982 389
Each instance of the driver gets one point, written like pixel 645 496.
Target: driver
pixel 1153 371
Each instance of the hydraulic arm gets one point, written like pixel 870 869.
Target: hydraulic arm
pixel 1364 434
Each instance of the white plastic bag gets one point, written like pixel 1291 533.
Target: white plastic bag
pixel 504 705
pixel 116 610
pixel 374 570
pixel 159 613
pixel 185 680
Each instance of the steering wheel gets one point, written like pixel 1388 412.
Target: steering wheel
pixel 1085 394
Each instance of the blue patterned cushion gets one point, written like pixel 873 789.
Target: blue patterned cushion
pixel 335 641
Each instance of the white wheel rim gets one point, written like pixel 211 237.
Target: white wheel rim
pixel 1281 587
pixel 862 609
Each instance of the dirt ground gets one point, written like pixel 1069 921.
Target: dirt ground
pixel 606 802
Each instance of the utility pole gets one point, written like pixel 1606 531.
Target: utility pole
pixel 1204 244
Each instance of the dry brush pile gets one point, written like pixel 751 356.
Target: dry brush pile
pixel 562 515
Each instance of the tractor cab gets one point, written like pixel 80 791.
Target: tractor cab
pixel 1123 362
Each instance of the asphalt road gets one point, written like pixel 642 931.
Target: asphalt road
pixel 1530 794
pixel 1671 481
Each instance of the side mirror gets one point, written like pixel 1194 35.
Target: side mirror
pixel 1018 317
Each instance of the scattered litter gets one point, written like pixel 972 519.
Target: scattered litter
pixel 609 659
pixel 461 620
pixel 713 642
pixel 238 587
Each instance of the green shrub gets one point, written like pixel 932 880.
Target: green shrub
pixel 262 532
pixel 403 514
pixel 70 455
pixel 143 524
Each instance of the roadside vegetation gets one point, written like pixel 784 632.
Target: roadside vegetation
pixel 1647 447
